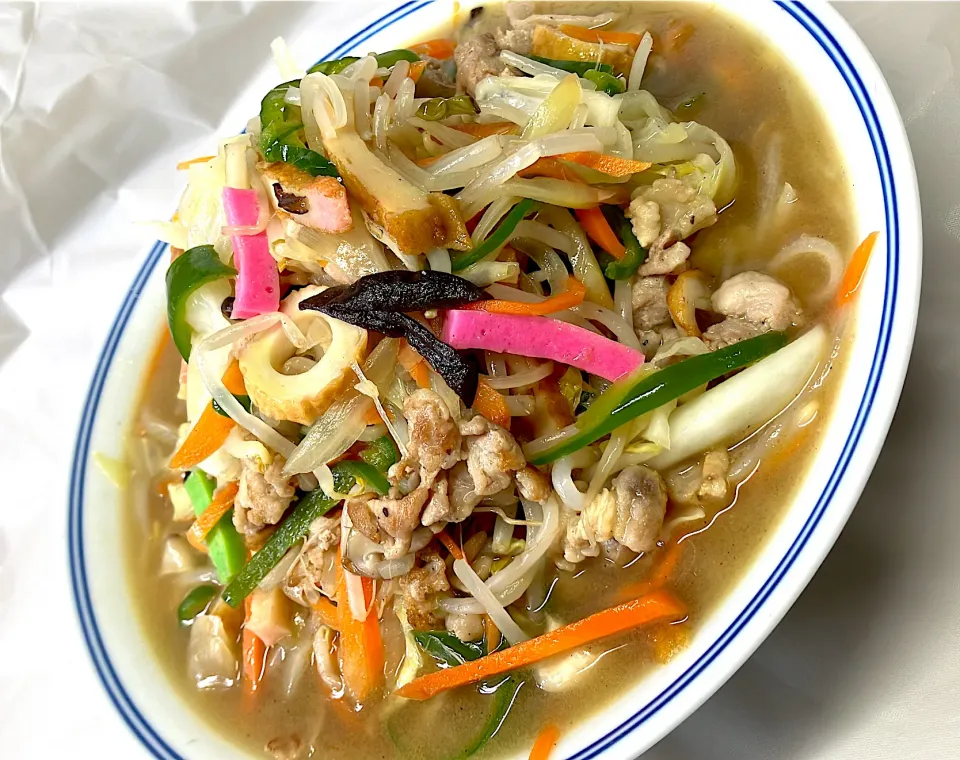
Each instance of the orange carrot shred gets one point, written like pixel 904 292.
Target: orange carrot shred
pixel 572 296
pixel 416 70
pixel 491 632
pixel 654 607
pixel 216 509
pixel 361 647
pixel 211 429
pixel 545 743
pixel 550 167
pixel 441 49
pixel 598 35
pixel 488 129
pixel 604 163
pixel 376 82
pixel 595 224
pixel 372 417
pixel 184 165
pixel 254 653
pixel 660 576
pixel 203 440
pixel 444 538
pixel 491 404
pixel 855 270
pixel 327 612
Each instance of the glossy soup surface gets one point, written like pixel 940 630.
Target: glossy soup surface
pixel 731 81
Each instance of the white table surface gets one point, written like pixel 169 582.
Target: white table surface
pixel 97 103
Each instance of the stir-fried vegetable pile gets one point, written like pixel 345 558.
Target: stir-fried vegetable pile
pixel 442 340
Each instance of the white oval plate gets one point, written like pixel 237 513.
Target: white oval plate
pixel 864 118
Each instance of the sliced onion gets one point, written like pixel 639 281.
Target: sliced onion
pixel 493 214
pixel 275 577
pixel 520 379
pixel 519 406
pixel 530 66
pixel 816 249
pixel 331 435
pixel 562 477
pixel 439 259
pixel 639 62
pixel 488 601
pixel 469 157
pixel 451 138
pixel 226 400
pixel 612 321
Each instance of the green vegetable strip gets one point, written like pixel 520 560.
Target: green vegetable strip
pixel 292 529
pixel 225 545
pixel 503 700
pixel 608 83
pixel 332 67
pixel 281 135
pixel 381 453
pixel 627 399
pixel 440 108
pixel 366 474
pixel 626 267
pixel 392 57
pixel 445 647
pixel 191 270
pixel 195 602
pixel 580 68
pixel 497 239
pixel 244 402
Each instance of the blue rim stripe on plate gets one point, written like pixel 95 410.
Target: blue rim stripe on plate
pixel 108 676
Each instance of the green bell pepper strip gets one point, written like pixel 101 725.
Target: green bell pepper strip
pixel 392 57
pixel 366 474
pixel 244 402
pixel 580 68
pixel 191 270
pixel 635 255
pixel 195 602
pixel 447 649
pixel 332 67
pixel 381 453
pixel 384 61
pixel 645 391
pixel 436 109
pixel 497 239
pixel 281 135
pixel 608 83
pixel 225 545
pixel 503 700
pixel 309 507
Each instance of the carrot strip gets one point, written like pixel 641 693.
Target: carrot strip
pixel 416 70
pixel 327 612
pixel 546 741
pixel 441 49
pixel 196 543
pixel 205 438
pixel 491 404
pixel 376 82
pixel 491 633
pixel 595 224
pixel 550 167
pixel 444 538
pixel 211 429
pixel 656 606
pixel 413 363
pixel 598 35
pixel 856 269
pixel 221 504
pixel 233 379
pixel 254 654
pixel 372 417
pixel 572 296
pixel 604 163
pixel 184 165
pixel 361 648
pixel 427 161
pixel 488 129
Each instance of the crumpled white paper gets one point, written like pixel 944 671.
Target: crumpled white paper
pixel 97 105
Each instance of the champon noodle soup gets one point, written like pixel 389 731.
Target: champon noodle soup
pixel 491 362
